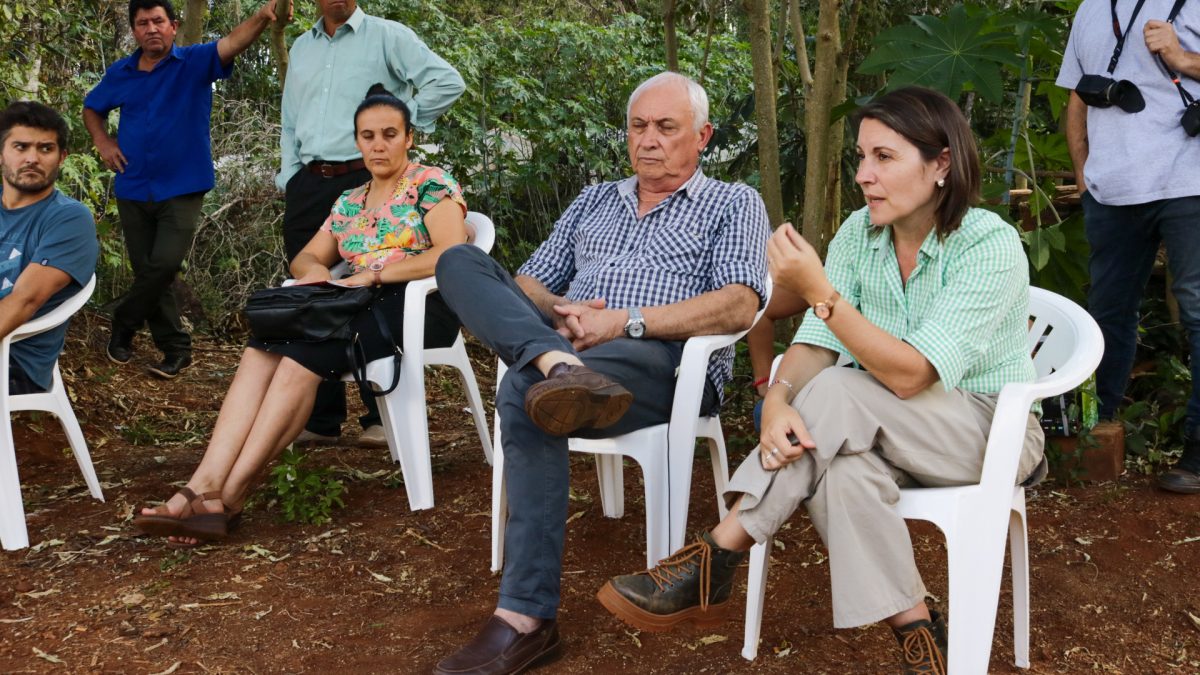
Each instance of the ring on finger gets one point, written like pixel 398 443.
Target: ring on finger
pixel 774 452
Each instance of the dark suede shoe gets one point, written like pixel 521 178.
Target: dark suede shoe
pixel 499 649
pixel 573 398
pixel 120 345
pixel 924 645
pixel 693 585
pixel 1184 478
pixel 171 366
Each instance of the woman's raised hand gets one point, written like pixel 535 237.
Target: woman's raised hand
pixel 795 265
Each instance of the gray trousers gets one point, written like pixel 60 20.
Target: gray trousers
pixel 536 469
pixel 869 444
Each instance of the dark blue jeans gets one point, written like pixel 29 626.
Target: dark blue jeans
pixel 1124 241
pixel 497 312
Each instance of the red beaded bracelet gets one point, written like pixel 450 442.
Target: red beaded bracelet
pixel 760 382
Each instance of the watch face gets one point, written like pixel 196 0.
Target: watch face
pixel 822 311
pixel 635 329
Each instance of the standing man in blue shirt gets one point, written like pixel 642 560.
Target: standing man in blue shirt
pixel 47 240
pixel 331 67
pixel 163 159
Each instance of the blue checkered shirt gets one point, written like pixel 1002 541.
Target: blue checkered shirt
pixel 705 236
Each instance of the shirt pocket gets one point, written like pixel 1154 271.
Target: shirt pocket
pixel 683 246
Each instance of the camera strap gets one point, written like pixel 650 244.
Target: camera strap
pixel 1116 26
pixel 1183 93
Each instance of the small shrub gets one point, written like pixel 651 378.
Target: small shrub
pixel 304 494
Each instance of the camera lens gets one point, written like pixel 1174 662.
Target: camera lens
pixel 1126 96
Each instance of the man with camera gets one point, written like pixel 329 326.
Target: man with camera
pixel 1131 122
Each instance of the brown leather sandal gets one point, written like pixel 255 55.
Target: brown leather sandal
pixel 191 522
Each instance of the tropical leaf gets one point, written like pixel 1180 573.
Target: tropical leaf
pixel 946 53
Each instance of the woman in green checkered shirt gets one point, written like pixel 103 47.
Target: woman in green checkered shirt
pixel 928 297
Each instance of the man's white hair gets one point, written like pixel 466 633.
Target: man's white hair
pixel 696 96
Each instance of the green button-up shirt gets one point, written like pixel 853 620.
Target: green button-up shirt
pixel 965 306
pixel 329 76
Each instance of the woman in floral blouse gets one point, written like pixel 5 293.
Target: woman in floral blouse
pixel 390 231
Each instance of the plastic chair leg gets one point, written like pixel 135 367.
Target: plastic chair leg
pixel 756 593
pixel 13 534
pixel 389 430
pixel 499 506
pixel 462 363
pixel 975 566
pixel 658 525
pixel 406 407
pixel 720 465
pixel 70 425
pixel 1019 548
pixel 611 477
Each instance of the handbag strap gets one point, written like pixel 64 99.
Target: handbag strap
pixel 358 357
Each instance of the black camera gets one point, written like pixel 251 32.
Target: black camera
pixel 1103 92
pixel 1191 118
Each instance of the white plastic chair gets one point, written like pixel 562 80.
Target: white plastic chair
pixel 974 518
pixel 664 451
pixel 13 534
pixel 405 422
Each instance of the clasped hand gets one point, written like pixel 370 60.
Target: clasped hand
pixel 776 448
pixel 588 323
pixel 795 265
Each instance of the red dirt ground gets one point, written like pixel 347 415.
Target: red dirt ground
pixel 385 589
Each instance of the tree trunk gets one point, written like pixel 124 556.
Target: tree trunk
pixel 764 108
pixel 801 45
pixel 818 153
pixel 278 45
pixel 192 30
pixel 669 37
pixel 708 36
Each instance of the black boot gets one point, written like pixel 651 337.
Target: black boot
pixel 1184 477
pixel 120 344
pixel 693 585
pixel 924 646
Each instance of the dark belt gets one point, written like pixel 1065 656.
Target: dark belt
pixel 331 169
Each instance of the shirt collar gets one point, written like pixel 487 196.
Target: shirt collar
pixel 693 188
pixel 132 62
pixel 929 248
pixel 354 22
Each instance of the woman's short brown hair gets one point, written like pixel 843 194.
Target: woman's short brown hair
pixel 932 122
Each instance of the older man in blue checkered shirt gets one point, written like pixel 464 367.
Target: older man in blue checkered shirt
pixel 592 329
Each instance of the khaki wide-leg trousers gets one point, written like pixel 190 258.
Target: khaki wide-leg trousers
pixel 869 444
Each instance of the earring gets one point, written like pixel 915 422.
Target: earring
pixel 941 182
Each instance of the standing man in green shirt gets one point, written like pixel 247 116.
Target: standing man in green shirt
pixel 332 66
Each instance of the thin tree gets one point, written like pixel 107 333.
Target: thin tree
pixel 765 93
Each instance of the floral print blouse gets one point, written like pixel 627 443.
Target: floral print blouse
pixel 396 230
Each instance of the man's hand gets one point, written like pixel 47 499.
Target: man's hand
pixel 110 153
pixel 1162 40
pixel 267 12
pixel 776 449
pixel 796 266
pixel 588 323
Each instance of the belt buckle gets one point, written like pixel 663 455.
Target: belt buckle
pixel 325 170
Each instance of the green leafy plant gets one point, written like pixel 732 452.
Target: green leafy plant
pixel 305 494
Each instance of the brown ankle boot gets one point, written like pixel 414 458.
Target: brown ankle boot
pixel 924 646
pixel 693 585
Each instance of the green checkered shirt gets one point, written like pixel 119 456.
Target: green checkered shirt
pixel 965 306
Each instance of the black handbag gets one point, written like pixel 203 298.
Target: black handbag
pixel 316 313
pixel 308 313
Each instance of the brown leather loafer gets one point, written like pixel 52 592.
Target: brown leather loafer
pixel 575 397
pixel 499 649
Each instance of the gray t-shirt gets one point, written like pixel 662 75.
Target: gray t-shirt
pixel 1134 158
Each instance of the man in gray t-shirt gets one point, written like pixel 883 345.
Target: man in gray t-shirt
pixel 1138 172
